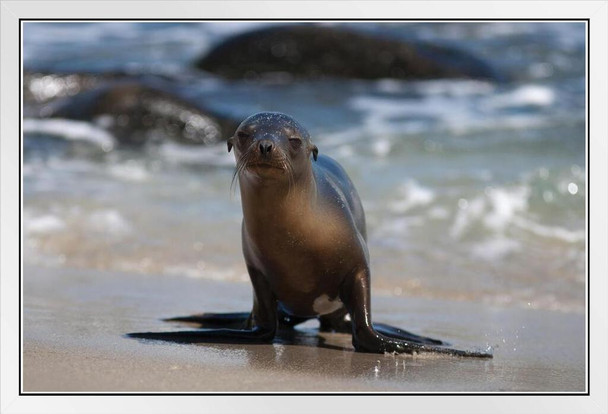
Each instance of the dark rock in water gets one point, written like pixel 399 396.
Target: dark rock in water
pixel 134 111
pixel 309 51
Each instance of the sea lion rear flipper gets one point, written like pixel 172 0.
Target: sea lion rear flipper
pixel 259 327
pixel 249 336
pixel 233 320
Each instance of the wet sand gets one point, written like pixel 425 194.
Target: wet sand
pixel 75 323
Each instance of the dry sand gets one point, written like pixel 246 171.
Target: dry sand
pixel 75 323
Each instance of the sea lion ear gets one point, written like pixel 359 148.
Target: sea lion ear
pixel 229 144
pixel 315 152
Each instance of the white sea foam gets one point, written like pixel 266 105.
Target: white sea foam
pixel 457 107
pixel 459 88
pixel 384 108
pixel 71 130
pixel 468 212
pixel 506 203
pixel 44 224
pixel 411 116
pixel 344 151
pixel 526 95
pixel 49 86
pixel 109 222
pixel 412 195
pixel 496 209
pixel 429 88
pixel 570 236
pixel 391 85
pixel 381 147
pixel 345 136
pixel 494 248
pixel 129 171
pixel 392 231
pixel 438 213
pixel 474 123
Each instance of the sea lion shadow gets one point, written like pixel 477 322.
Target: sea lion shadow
pixel 308 333
pixel 310 337
pixel 306 349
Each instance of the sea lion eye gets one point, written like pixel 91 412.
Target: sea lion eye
pixel 243 135
pixel 296 143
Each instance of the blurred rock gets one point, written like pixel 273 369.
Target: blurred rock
pixel 310 51
pixel 133 110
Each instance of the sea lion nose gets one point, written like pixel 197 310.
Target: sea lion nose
pixel 265 147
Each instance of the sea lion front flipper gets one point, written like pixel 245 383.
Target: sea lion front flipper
pixel 340 322
pixel 355 294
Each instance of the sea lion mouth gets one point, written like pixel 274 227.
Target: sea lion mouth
pixel 270 166
pixel 265 166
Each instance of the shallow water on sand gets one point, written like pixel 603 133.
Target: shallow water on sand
pixel 473 191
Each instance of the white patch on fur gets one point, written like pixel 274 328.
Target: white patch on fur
pixel 324 305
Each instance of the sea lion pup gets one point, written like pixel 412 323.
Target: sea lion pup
pixel 304 242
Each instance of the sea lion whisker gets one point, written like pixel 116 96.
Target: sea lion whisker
pixel 237 170
pixel 291 177
pixel 241 164
pixel 285 166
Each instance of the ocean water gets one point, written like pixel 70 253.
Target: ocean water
pixel 473 190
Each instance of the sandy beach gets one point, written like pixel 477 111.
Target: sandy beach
pixel 75 321
pixel 475 195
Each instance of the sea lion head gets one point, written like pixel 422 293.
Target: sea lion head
pixel 272 145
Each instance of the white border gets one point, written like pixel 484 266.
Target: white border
pixel 11 11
